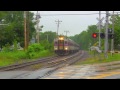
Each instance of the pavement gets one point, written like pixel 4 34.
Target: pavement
pixel 73 72
pixel 24 74
pixel 94 71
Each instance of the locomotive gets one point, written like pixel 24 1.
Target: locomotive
pixel 65 46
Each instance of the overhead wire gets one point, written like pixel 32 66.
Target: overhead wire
pixel 67 14
pixel 72 14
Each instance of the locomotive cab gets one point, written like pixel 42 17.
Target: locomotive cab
pixel 64 46
pixel 59 45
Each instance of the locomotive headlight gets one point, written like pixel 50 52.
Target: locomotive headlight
pixel 55 48
pixel 66 48
pixel 61 38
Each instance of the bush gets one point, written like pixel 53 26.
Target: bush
pixel 7 48
pixel 34 48
pixel 47 45
pixel 15 45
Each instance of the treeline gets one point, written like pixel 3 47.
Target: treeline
pixel 85 40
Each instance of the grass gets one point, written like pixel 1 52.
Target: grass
pixel 95 59
pixel 8 58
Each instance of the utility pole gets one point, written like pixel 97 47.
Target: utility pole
pixel 37 29
pixel 25 38
pixel 27 28
pixel 66 32
pixel 58 22
pixel 106 35
pixel 112 41
pixel 99 28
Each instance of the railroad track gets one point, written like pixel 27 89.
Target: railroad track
pixel 47 62
pixel 17 66
pixel 66 61
pixel 109 66
pixel 51 64
pixel 62 63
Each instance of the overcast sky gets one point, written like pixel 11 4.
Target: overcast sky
pixel 75 24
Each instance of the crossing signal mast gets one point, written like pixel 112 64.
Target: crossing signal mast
pixel 37 28
pixel 108 34
pixel 99 27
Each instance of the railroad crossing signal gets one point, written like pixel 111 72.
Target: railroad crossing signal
pixel 110 35
pixel 100 22
pixel 102 35
pixel 94 35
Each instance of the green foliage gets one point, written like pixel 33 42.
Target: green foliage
pixel 100 59
pixel 48 36
pixel 15 28
pixel 84 39
pixel 47 45
pixel 116 30
pixel 43 53
pixel 9 48
pixel 15 45
pixel 6 48
pixel 8 58
pixel 34 48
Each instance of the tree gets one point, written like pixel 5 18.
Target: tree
pixel 15 28
pixel 84 39
pixel 116 30
pixel 48 35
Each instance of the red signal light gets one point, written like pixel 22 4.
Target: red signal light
pixel 94 35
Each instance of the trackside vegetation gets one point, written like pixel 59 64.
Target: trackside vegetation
pixel 99 58
pixel 35 51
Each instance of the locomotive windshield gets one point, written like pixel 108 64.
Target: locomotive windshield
pixel 61 41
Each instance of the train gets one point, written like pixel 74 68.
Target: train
pixel 64 46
